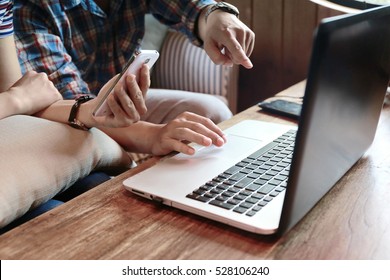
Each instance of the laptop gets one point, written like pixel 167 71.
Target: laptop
pixel 268 176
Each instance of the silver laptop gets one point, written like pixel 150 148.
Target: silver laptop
pixel 268 176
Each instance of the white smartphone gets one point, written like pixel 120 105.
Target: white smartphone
pixel 132 66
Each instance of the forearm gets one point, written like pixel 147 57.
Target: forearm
pixel 60 111
pixel 138 137
pixel 201 25
pixel 7 105
pixel 9 66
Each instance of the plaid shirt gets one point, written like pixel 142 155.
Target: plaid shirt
pixel 81 47
pixel 6 26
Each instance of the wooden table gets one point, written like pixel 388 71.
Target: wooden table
pixel 351 222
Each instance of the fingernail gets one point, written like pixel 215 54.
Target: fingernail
pixel 207 142
pixel 249 63
pixel 190 151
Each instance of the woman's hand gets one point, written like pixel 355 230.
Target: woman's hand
pixel 32 93
pixel 187 127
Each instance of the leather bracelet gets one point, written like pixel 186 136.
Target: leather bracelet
pixel 72 120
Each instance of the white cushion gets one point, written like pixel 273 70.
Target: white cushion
pixel 154 33
pixel 40 158
pixel 184 66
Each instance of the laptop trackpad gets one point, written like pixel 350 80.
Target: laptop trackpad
pixel 169 175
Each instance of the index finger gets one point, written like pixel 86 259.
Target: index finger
pixel 237 53
pixel 206 123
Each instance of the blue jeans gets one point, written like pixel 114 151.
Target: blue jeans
pixel 81 186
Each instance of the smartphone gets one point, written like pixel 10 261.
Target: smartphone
pixel 132 66
pixel 282 107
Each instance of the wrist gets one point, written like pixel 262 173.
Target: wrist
pixel 7 106
pixel 14 104
pixel 215 10
pixel 85 115
pixel 221 6
pixel 76 112
pixel 201 24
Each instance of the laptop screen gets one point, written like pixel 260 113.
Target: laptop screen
pixel 346 84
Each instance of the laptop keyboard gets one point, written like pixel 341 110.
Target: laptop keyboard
pixel 252 183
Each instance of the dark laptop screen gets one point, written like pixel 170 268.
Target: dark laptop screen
pixel 347 80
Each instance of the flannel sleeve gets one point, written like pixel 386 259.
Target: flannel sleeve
pixel 40 47
pixel 181 15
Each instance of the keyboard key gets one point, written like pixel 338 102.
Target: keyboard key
pixel 253 176
pixel 245 193
pixel 212 183
pixel 223 176
pixel 252 166
pixel 262 203
pixel 229 182
pixel 252 187
pixel 246 205
pixel 260 182
pixel 234 201
pixel 284 173
pixel 218 179
pixel 283 164
pixel 223 187
pixel 240 197
pixel 283 184
pixel 234 189
pixel 228 194
pixel 237 177
pixel 257 196
pixel 277 168
pixel 199 191
pixel 271 173
pixel 240 210
pixel 246 170
pixel 210 195
pixel 275 182
pixel 266 189
pixel 221 204
pixel 242 183
pixel 206 188
pixel 232 170
pixel 251 213
pixel 198 197
pixel 217 191
pixel 280 177
pixel 274 193
pixel 241 164
pixel 252 200
pixel 260 171
pixel 266 177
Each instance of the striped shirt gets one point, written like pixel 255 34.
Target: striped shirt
pixel 81 47
pixel 6 25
